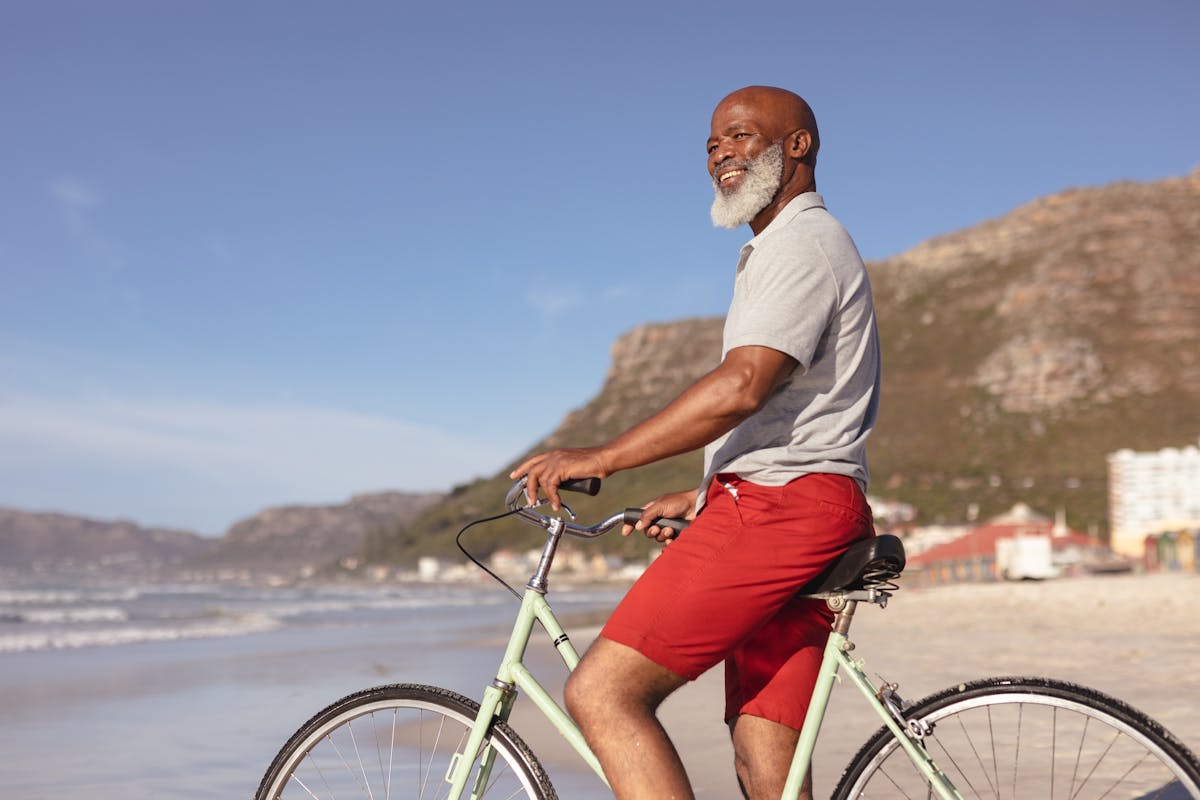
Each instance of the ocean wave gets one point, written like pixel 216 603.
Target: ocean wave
pixel 72 639
pixel 28 597
pixel 66 616
pixel 340 603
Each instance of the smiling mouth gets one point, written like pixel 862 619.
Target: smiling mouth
pixel 730 175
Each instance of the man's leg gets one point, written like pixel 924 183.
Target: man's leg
pixel 613 695
pixel 762 754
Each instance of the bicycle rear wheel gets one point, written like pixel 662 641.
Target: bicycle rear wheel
pixel 1029 738
pixel 396 741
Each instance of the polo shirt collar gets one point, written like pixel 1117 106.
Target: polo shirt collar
pixel 799 203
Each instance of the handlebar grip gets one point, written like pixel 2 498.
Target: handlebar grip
pixel 588 486
pixel 632 515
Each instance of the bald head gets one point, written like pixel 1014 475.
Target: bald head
pixel 782 111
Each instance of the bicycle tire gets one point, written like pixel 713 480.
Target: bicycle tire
pixel 1029 738
pixel 391 740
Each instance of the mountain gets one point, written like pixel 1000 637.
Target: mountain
pixel 1017 354
pixel 296 539
pixel 58 542
pixel 284 541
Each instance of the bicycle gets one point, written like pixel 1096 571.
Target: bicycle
pixel 1007 737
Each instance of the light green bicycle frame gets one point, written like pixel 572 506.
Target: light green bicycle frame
pixel 837 656
pixel 499 697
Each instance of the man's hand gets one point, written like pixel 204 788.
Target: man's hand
pixel 546 471
pixel 676 505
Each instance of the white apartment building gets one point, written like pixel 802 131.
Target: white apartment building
pixel 1151 493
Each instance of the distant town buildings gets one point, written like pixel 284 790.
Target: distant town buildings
pixel 1152 494
pixel 1018 545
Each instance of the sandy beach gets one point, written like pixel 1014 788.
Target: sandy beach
pixel 1136 637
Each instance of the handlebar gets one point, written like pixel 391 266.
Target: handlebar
pixel 589 486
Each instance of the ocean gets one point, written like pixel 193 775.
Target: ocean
pixel 187 691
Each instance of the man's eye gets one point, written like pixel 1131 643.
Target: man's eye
pixel 740 135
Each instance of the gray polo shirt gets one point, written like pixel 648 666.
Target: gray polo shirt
pixel 801 288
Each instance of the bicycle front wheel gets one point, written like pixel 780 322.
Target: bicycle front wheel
pixel 1029 738
pixel 397 741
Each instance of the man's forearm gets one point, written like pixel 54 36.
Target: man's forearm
pixel 708 409
pixel 711 407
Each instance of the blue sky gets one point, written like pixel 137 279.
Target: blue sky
pixel 256 253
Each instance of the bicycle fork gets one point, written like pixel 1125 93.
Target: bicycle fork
pixel 496 706
pixel 908 733
pixel 501 694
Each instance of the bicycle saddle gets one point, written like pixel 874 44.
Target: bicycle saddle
pixel 867 563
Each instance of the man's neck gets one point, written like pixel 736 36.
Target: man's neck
pixel 786 195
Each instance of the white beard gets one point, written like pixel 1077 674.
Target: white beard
pixel 763 178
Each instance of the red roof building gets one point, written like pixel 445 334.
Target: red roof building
pixel 974 555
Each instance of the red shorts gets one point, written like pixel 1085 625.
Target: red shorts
pixel 725 590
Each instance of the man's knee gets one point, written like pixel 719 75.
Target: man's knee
pixel 577 691
pixel 762 752
pixel 613 677
pixel 591 689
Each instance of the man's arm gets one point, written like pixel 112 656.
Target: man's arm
pixel 707 409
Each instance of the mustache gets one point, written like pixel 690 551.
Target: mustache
pixel 750 165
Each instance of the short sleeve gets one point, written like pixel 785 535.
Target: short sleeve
pixel 784 299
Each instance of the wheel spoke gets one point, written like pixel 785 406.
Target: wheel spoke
pixel 1078 757
pixel 1017 751
pixel 1053 746
pixel 362 768
pixel 896 785
pixel 1099 759
pixel 995 765
pixel 391 757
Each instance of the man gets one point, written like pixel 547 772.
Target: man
pixel 784 419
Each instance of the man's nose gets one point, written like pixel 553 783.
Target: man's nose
pixel 722 153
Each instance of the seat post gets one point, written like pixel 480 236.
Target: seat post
pixel 844 609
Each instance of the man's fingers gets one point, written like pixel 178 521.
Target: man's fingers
pixel 532 481
pixel 522 469
pixel 649 514
pixel 550 488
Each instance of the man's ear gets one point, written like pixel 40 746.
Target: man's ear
pixel 799 143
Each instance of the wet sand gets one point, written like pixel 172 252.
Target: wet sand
pixel 1136 637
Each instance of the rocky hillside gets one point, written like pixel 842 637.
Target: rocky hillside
pixel 1017 354
pixel 48 542
pixel 1020 352
pixel 288 540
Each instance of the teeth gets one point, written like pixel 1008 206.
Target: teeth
pixel 730 174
